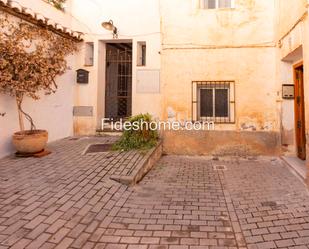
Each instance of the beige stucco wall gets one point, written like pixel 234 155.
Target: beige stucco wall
pixel 250 22
pixel 228 44
pixel 53 112
pixel 288 14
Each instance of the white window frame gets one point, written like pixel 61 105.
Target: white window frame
pixel 196 100
pixel 202 5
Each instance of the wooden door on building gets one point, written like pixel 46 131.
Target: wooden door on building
pixel 300 111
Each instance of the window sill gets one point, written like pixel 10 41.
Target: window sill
pixel 217 122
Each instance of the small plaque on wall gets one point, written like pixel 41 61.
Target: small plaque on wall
pixel 82 111
pixel 288 91
pixel 148 81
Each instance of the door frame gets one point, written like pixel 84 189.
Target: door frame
pixel 299 113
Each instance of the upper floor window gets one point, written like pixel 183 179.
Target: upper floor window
pixel 216 4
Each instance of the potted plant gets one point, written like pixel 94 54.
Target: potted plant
pixel 31 57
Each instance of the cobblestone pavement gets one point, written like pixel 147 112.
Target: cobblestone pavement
pixel 66 200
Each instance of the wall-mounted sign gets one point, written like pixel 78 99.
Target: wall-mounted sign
pixel 148 81
pixel 288 91
pixel 82 76
pixel 83 111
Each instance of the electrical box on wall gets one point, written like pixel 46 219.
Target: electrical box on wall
pixel 288 91
pixel 82 76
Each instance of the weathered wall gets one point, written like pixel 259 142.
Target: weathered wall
pixel 53 112
pixel 228 44
pixel 136 20
pixel 250 22
pixel 254 82
pixel 222 143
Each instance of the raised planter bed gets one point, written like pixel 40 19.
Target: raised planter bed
pixel 142 168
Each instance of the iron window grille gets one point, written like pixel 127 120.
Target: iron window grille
pixel 213 101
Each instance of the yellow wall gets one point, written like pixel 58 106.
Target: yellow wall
pixel 229 44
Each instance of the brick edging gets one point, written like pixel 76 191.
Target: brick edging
pixel 142 168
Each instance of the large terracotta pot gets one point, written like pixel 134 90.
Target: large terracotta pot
pixel 30 142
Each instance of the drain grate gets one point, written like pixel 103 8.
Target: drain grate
pixel 219 167
pixel 97 148
pixel 269 204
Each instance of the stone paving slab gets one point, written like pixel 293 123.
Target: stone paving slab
pixel 66 200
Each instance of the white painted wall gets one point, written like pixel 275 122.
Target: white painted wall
pixel 48 11
pixel 136 20
pixel 53 112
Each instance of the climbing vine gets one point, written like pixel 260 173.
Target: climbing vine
pixel 31 57
pixel 59 4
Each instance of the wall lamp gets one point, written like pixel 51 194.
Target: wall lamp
pixel 110 26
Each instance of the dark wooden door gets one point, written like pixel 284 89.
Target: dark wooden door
pixel 300 111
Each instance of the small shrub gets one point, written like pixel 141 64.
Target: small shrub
pixel 142 138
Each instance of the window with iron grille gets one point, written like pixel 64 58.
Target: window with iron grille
pixel 216 4
pixel 213 101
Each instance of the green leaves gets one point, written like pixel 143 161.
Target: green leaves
pixel 58 4
pixel 142 138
